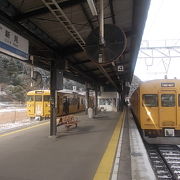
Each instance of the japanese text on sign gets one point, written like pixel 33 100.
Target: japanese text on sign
pixel 13 44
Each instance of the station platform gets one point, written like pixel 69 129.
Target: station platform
pixel 105 147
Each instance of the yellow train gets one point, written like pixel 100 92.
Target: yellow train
pixel 38 103
pixel 156 107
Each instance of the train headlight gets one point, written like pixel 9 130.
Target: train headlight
pixel 29 105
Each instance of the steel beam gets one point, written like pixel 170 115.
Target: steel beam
pixel 87 98
pixel 96 100
pixel 40 34
pixel 81 62
pixel 112 11
pixel 87 16
pixel 44 10
pixel 107 76
pixel 81 72
pixel 91 70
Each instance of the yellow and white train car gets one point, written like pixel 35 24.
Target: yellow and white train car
pixel 68 103
pixel 156 106
pixel 38 103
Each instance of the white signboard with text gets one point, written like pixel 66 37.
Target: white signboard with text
pixel 13 44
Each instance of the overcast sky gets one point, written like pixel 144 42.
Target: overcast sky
pixel 162 23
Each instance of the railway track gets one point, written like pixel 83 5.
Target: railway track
pixel 165 160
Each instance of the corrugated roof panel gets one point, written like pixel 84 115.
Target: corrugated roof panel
pixel 27 5
pixel 123 10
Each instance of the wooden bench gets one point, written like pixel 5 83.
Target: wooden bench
pixel 68 121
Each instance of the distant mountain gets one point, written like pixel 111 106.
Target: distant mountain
pixel 15 76
pixel 16 81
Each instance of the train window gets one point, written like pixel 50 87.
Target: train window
pixel 102 101
pixel 114 101
pixel 82 101
pixel 46 98
pixel 168 100
pixel 38 98
pixel 73 101
pixel 109 101
pixel 30 98
pixel 70 101
pixel 179 100
pixel 150 100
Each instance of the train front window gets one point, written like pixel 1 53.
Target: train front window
pixel 30 98
pixel 46 98
pixel 150 100
pixel 179 100
pixel 38 98
pixel 168 100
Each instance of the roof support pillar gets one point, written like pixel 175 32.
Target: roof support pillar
pixel 53 126
pixel 96 100
pixel 56 84
pixel 87 98
pixel 119 102
pixel 122 101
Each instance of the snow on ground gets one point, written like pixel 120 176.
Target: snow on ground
pixel 11 105
pixel 10 126
pixel 12 109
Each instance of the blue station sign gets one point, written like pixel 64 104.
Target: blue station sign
pixel 13 44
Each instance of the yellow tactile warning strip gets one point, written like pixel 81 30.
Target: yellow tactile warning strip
pixel 104 169
pixel 19 130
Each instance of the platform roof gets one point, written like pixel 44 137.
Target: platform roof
pixel 48 38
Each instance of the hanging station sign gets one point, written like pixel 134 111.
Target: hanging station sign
pixel 13 44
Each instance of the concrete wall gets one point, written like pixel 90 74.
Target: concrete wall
pixel 11 116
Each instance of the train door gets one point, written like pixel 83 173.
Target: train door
pixel 38 105
pixel 46 105
pixel 114 105
pixel 178 111
pixel 109 104
pixel 83 103
pixel 30 105
pixel 59 104
pixel 65 105
pixel 78 104
pixel 168 109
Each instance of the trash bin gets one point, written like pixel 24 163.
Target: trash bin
pixel 90 113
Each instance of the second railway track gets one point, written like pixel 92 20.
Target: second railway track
pixel 165 160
